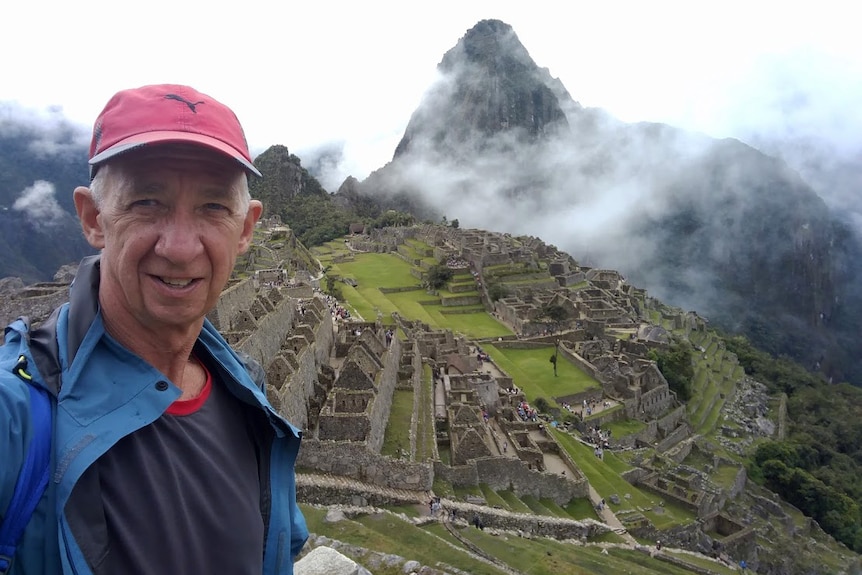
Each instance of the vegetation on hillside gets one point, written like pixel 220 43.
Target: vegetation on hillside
pixel 289 191
pixel 676 366
pixel 437 276
pixel 818 467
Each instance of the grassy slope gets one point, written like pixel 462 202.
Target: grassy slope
pixel 432 545
pixel 373 271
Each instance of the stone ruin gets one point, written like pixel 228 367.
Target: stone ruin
pixel 336 381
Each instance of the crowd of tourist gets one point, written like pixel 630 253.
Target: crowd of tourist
pixel 457 263
pixel 338 311
pixel 527 413
pixel 599 437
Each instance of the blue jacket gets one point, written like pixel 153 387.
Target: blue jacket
pixel 90 417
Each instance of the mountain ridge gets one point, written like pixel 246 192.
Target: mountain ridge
pixel 707 224
pixel 631 196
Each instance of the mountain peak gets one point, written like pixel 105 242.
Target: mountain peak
pixel 489 86
pixel 491 43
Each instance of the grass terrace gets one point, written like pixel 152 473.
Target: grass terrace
pixel 396 438
pixel 604 476
pixel 425 432
pixel 716 374
pixel 372 271
pixel 434 546
pixel 325 252
pixel 534 373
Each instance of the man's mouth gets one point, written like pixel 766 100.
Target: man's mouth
pixel 176 282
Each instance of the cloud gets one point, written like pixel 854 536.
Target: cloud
pixel 48 130
pixel 670 208
pixel 39 204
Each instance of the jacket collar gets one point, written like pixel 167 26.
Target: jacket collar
pixel 83 303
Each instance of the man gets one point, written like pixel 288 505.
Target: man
pixel 167 457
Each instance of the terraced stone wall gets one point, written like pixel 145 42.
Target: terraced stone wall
pixel 233 300
pixel 353 459
pixel 299 358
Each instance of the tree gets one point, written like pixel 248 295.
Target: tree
pixel 541 405
pixel 676 366
pixel 438 275
pixel 455 223
pixel 497 291
pixel 332 287
pixel 554 357
pixel 555 314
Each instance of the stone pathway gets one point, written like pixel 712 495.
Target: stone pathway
pixel 609 518
pixel 441 384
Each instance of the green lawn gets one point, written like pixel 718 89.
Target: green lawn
pixel 396 439
pixel 425 432
pixel 514 502
pixel 372 271
pixel 463 492
pixel 581 508
pixel 388 533
pixel 559 558
pixel 625 427
pixel 366 303
pixel 534 373
pixel 492 498
pixel 604 476
pixel 536 506
pixel 433 543
pixel 378 270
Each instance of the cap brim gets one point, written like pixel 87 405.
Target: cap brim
pixel 167 137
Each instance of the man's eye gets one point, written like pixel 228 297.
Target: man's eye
pixel 216 207
pixel 146 203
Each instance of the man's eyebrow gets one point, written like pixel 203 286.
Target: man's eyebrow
pixel 143 187
pixel 220 192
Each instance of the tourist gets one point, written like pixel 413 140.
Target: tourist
pixel 167 456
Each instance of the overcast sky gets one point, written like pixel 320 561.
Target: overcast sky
pixel 304 74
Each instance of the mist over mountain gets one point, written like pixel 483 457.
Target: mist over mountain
pixel 43 158
pixel 723 227
pixel 711 225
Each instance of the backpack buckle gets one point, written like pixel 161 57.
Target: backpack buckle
pixel 5 564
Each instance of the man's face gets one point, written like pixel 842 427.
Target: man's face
pixel 171 223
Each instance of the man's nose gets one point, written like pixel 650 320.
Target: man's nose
pixel 179 239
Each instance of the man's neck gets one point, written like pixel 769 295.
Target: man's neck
pixel 169 351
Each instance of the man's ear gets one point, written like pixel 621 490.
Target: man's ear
pixel 255 209
pixel 88 213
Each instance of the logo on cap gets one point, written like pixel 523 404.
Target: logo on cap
pixel 191 105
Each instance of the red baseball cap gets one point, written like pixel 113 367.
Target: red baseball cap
pixel 166 113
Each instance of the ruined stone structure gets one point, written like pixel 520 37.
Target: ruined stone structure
pixel 336 380
pixel 357 406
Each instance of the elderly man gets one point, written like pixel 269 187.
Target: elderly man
pixel 166 455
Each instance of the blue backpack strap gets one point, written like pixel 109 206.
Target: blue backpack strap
pixel 33 477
